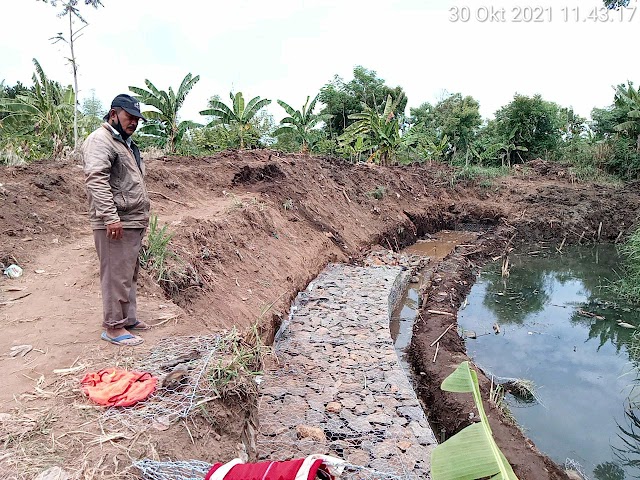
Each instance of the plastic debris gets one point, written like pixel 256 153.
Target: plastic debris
pixel 21 350
pixel 13 271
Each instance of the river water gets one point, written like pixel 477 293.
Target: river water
pixel 560 329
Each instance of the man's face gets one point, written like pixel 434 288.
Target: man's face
pixel 129 122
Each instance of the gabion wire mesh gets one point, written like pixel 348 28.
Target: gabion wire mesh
pixel 571 464
pixel 184 470
pixel 335 388
pixel 338 387
pixel 190 358
pixel 196 470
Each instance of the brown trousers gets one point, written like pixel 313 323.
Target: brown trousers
pixel 119 265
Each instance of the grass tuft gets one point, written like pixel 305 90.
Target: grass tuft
pixel 155 254
pixel 378 193
pixel 628 286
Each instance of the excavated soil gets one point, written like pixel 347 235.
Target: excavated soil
pixel 252 228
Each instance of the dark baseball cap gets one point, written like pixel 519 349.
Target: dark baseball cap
pixel 128 104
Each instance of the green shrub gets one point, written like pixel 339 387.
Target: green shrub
pixel 628 285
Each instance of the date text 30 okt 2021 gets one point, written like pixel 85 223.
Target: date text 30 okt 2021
pixel 540 14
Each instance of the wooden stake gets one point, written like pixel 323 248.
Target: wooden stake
pixel 436 354
pixel 441 335
pixel 438 312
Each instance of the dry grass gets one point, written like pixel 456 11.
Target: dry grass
pixel 55 425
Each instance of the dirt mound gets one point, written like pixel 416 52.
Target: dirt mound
pixel 250 229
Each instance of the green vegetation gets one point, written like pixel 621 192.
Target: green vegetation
pixel 300 123
pixel 380 132
pixel 35 121
pixel 472 452
pixel 163 124
pixel 342 99
pixel 238 118
pixel 155 254
pixel 362 119
pixel 628 285
pixel 482 175
pixel 378 193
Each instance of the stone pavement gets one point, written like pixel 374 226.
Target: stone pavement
pixel 337 387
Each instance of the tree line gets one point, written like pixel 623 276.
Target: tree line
pixel 362 119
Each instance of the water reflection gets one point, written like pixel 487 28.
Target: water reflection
pixel 628 452
pixel 608 471
pixel 561 329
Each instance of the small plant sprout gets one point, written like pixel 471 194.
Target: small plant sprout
pixel 378 193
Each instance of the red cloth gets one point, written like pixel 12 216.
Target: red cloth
pixel 267 470
pixel 118 388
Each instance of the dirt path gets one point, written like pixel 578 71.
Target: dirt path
pixel 61 317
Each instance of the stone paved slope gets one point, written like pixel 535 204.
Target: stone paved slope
pixel 337 387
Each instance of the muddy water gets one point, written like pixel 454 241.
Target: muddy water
pixel 436 248
pixel 576 360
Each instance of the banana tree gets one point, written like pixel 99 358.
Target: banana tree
pixel 628 98
pixel 300 122
pixel 44 112
pixel 164 122
pixel 354 148
pixel 238 115
pixel 383 131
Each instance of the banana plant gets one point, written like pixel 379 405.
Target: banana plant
pixel 238 115
pixel 300 122
pixel 383 131
pixel 46 111
pixel 354 149
pixel 628 98
pixel 164 122
pixel 471 453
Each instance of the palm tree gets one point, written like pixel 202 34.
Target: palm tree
pixel 382 130
pixel 300 122
pixel 238 115
pixel 45 111
pixel 627 98
pixel 164 122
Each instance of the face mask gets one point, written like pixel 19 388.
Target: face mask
pixel 118 127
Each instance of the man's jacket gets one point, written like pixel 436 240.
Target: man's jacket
pixel 114 181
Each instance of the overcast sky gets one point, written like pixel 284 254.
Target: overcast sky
pixel 288 49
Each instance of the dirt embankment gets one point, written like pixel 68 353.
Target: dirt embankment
pixel 253 228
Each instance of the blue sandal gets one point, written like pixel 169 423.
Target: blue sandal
pixel 126 340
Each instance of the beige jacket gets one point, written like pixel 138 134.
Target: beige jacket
pixel 114 181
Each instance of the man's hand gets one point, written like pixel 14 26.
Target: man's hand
pixel 114 231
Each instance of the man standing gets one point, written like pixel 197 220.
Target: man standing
pixel 119 214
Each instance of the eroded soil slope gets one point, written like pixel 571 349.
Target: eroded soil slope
pixel 251 229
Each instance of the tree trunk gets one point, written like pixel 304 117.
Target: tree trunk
pixel 75 84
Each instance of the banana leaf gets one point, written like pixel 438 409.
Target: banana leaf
pixel 472 453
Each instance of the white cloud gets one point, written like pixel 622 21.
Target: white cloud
pixel 288 49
